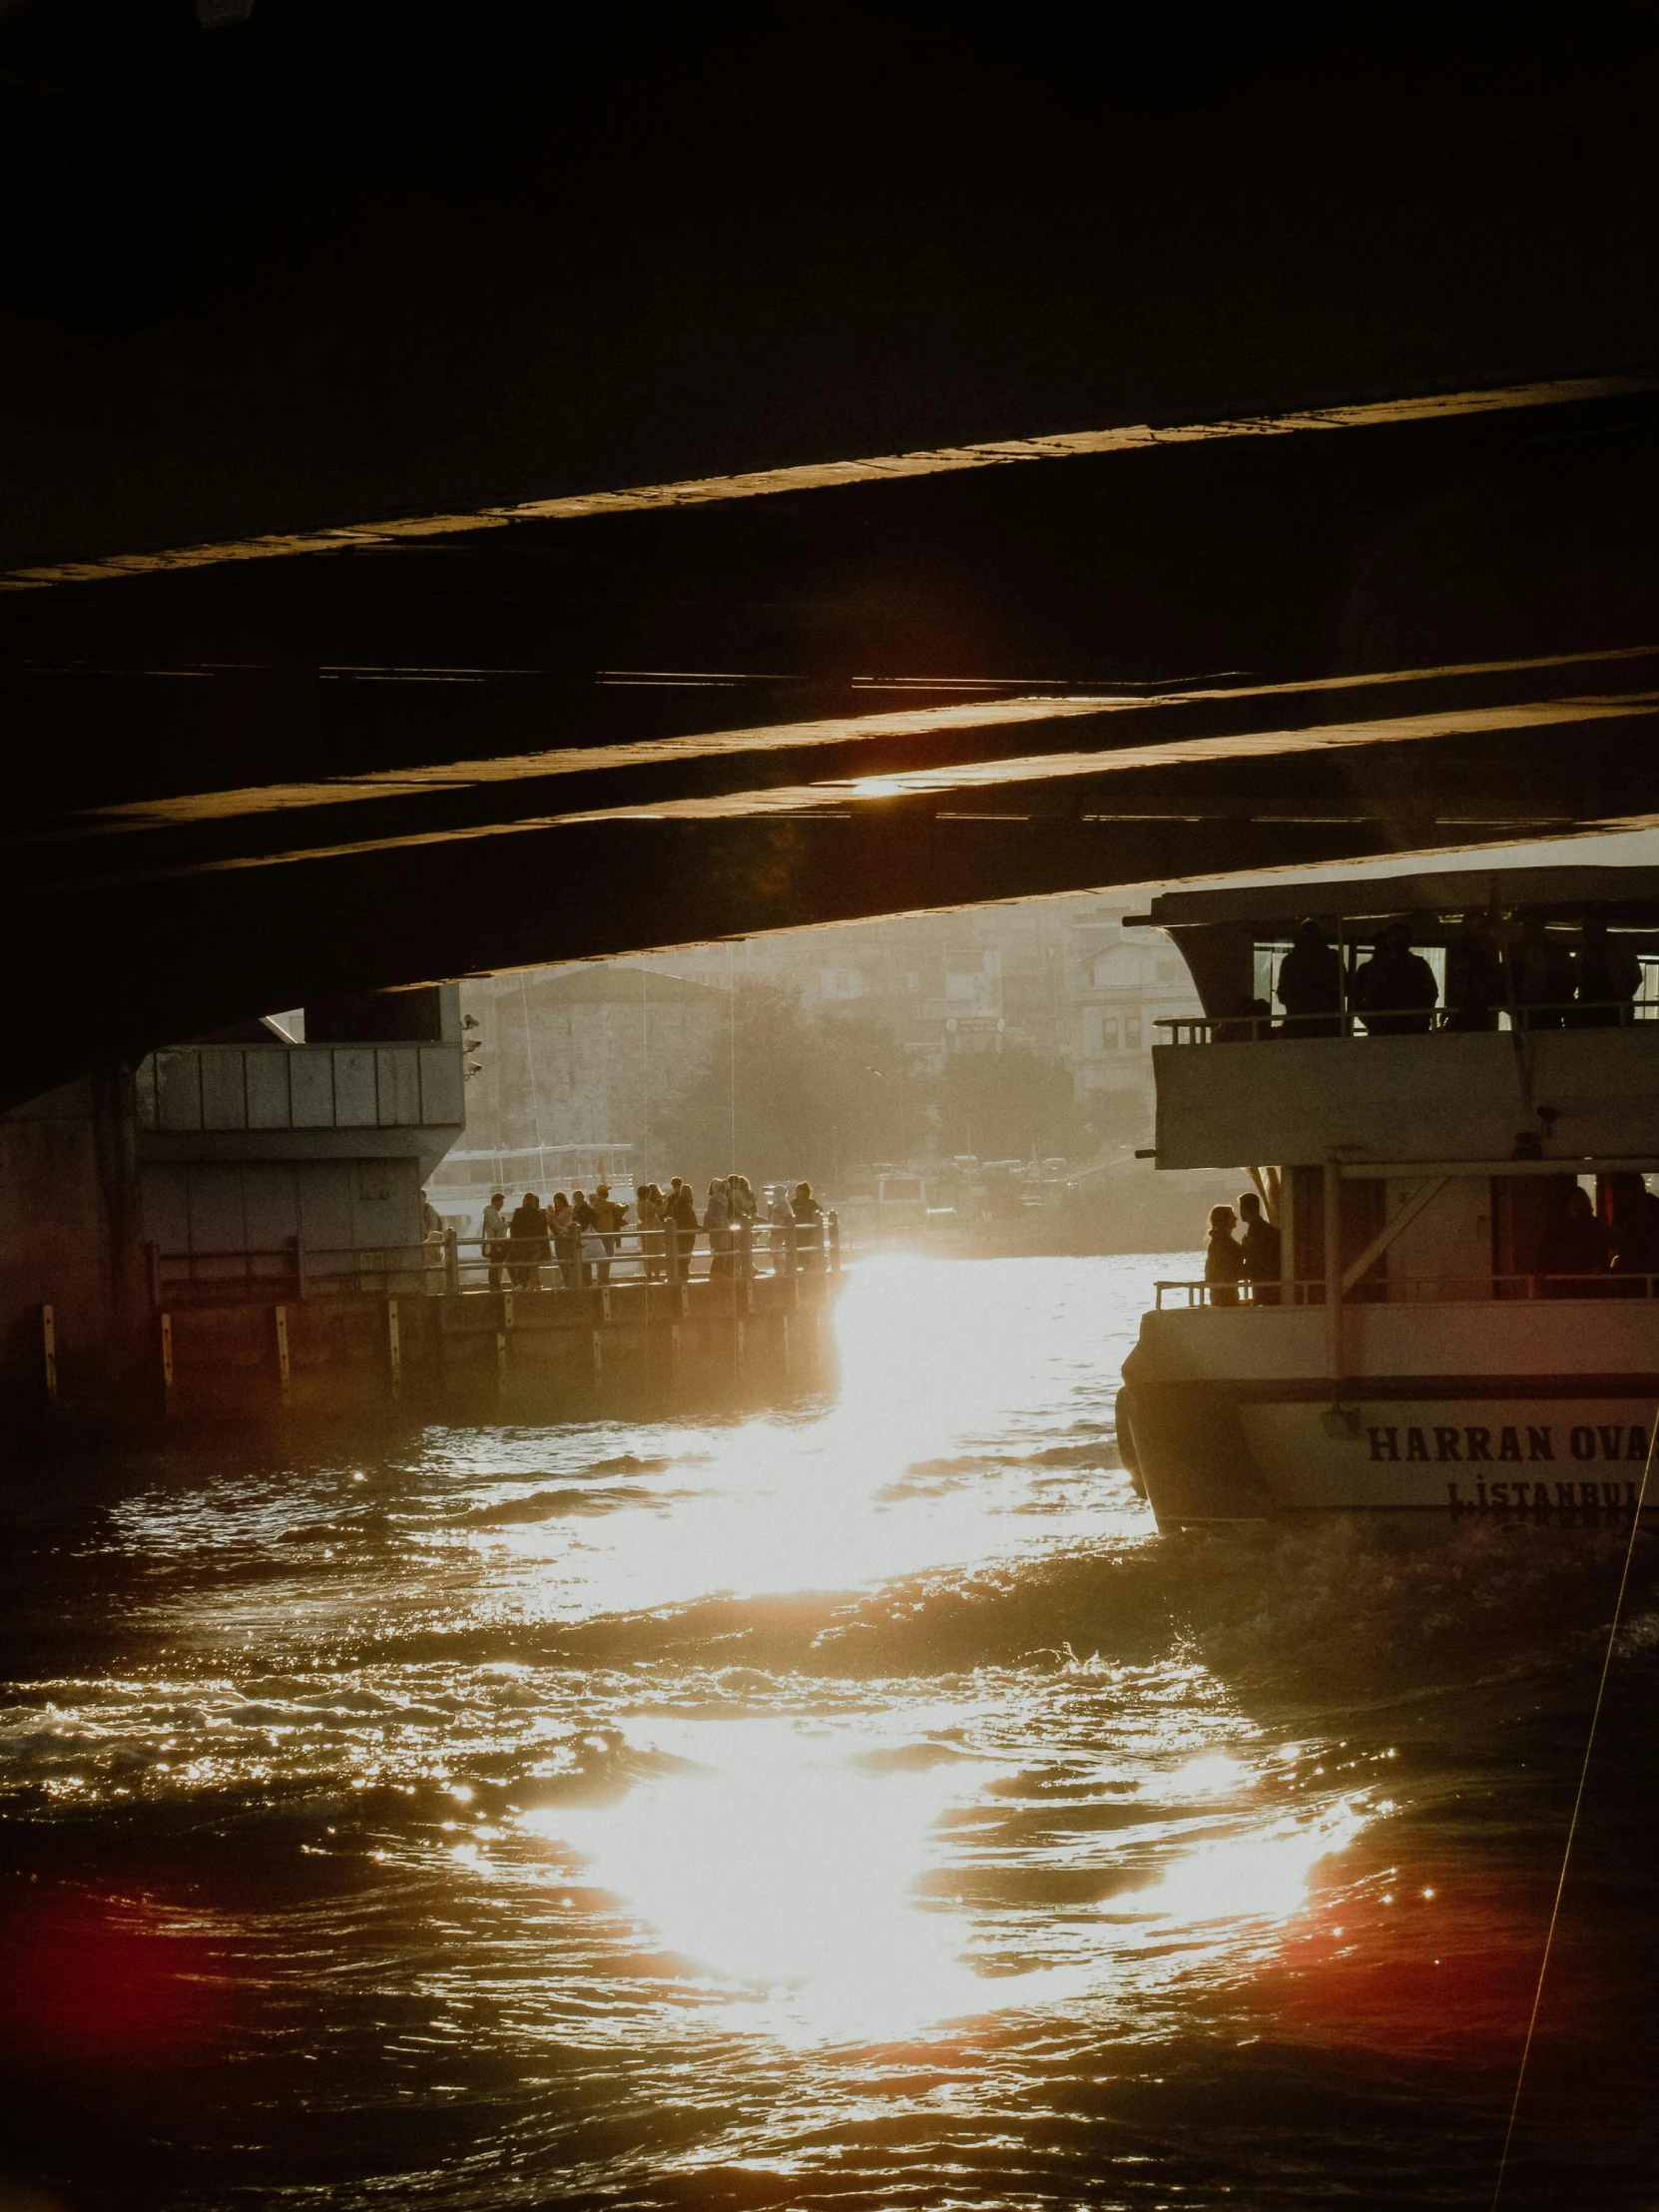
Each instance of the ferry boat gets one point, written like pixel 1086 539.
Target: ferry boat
pixel 1418 1352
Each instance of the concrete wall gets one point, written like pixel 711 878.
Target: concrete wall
pixel 68 1205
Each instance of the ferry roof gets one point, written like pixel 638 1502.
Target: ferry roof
pixel 1437 900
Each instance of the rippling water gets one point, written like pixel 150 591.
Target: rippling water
pixel 854 1803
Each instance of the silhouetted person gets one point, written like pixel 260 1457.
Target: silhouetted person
pixel 1395 991
pixel 1251 1021
pixel 608 1218
pixel 1540 976
pixel 717 1220
pixel 808 1226
pixel 567 1241
pixel 1606 977
pixel 494 1233
pixel 1259 1241
pixel 1635 1237
pixel 1311 984
pixel 1474 974
pixel 1574 1243
pixel 682 1211
pixel 1223 1262
pixel 528 1242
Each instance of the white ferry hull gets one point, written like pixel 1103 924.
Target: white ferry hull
pixel 1212 1433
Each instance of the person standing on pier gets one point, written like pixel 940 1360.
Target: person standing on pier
pixel 493 1236
pixel 782 1222
pixel 808 1226
pixel 648 1214
pixel 567 1240
pixel 682 1212
pixel 608 1218
pixel 717 1220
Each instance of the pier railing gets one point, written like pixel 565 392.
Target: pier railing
pixel 1352 1021
pixel 1429 1290
pixel 452 1265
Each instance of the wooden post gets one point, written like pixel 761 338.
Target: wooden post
pixel 49 1353
pixel 394 1345
pixel 452 1259
pixel 501 1359
pixel 1332 1226
pixel 506 1308
pixel 1287 1235
pixel 784 1327
pixel 166 1362
pixel 283 1375
pixel 598 1354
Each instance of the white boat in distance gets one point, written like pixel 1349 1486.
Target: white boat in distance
pixel 1421 1349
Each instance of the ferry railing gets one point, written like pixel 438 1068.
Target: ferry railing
pixel 451 1263
pixel 1594 1013
pixel 1427 1290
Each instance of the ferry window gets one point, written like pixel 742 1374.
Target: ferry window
pixel 1132 1032
pixel 1108 1033
pixel 1648 995
pixel 1268 957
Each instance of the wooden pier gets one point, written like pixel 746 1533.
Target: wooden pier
pixel 507 1354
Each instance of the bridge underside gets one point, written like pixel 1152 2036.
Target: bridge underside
pixel 1002 528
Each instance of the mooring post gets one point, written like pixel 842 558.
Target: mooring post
pixel 453 1259
pixel 167 1362
pixel 283 1375
pixel 49 1353
pixel 394 1347
pixel 501 1359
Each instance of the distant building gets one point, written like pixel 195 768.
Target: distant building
pixel 575 1068
pixel 1058 976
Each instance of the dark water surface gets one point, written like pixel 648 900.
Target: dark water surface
pixel 857 1804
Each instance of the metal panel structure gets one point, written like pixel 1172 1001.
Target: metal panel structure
pixel 356 1100
pixel 441 1087
pixel 266 1079
pixel 223 1097
pixel 178 1090
pixel 398 1082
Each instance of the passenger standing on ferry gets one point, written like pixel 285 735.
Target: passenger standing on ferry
pixel 1223 1263
pixel 1474 974
pixel 1261 1250
pixel 1311 984
pixel 1607 977
pixel 1635 1231
pixel 1540 976
pixel 1394 991
pixel 1573 1245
